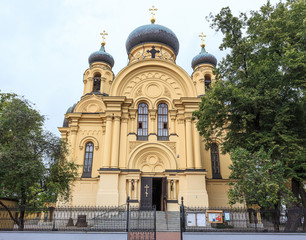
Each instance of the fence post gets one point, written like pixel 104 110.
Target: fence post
pixel 154 222
pixel 255 219
pixel 127 213
pixel 182 210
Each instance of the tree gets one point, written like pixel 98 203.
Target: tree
pixel 258 100
pixel 34 169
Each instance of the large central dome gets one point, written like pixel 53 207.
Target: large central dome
pixel 152 33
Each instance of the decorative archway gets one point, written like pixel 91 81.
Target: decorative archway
pixel 152 157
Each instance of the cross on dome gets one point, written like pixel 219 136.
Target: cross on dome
pixel 103 34
pixel 202 39
pixel 152 10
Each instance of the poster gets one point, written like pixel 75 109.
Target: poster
pixel 227 216
pixel 201 220
pixel 214 216
pixel 191 219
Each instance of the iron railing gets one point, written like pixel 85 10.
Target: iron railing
pixel 198 219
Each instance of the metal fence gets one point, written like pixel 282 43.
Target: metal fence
pixel 195 219
pixel 140 224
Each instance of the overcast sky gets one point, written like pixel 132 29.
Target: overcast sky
pixel 45 44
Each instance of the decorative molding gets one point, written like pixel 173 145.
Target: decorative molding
pixel 133 145
pixel 171 145
pixel 167 93
pixel 152 76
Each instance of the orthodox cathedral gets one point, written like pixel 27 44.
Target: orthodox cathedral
pixel 133 134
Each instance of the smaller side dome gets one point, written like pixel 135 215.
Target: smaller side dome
pixel 69 110
pixel 203 58
pixel 101 56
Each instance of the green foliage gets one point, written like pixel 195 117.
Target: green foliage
pixel 34 169
pixel 257 179
pixel 258 101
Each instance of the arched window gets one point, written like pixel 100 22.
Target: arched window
pixel 88 160
pixel 207 81
pixel 162 122
pixel 97 83
pixel 215 163
pixel 142 128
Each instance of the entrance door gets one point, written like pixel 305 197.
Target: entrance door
pixel 153 193
pixel 146 193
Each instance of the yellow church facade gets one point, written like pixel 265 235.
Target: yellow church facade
pixel 133 134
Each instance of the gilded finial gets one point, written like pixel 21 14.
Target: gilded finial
pixel 103 34
pixel 202 38
pixel 153 13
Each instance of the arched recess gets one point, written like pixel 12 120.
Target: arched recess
pixel 152 157
pixel 89 139
pixel 90 104
pixel 129 78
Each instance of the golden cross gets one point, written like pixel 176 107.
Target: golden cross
pixel 146 187
pixel 153 13
pixel 202 38
pixel 103 34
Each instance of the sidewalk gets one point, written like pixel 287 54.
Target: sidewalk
pixel 243 236
pixel 61 236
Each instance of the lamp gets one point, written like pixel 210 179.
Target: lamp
pixel 171 185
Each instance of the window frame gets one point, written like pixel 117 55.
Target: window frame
pixel 96 82
pixel 215 161
pixel 142 119
pixel 162 122
pixel 88 160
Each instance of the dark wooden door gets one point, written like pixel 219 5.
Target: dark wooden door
pixel 164 193
pixel 146 193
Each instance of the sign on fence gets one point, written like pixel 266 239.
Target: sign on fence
pixel 196 219
pixel 214 216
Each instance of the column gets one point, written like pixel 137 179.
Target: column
pixel 73 135
pixel 189 147
pixel 135 188
pixel 174 189
pixel 133 116
pixel 169 189
pixel 107 142
pixel 123 143
pixel 152 121
pixel 197 147
pixel 103 79
pixel 115 143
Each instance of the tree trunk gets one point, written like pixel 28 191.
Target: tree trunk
pixel 294 216
pixel 295 211
pixel 276 220
pixel 9 212
pixel 21 218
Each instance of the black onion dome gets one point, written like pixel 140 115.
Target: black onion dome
pixel 101 56
pixel 152 33
pixel 69 110
pixel 202 58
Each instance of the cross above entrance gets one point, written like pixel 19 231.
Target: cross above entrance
pixel 147 187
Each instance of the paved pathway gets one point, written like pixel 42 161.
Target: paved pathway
pixel 244 236
pixel 61 236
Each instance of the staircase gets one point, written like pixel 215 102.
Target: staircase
pixel 173 222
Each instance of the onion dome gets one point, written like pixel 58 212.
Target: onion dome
pixel 203 58
pixel 69 110
pixel 152 33
pixel 101 55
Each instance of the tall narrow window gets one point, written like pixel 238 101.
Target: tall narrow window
pixel 162 122
pixel 215 163
pixel 142 128
pixel 97 83
pixel 207 81
pixel 88 160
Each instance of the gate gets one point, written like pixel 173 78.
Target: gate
pixel 141 224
